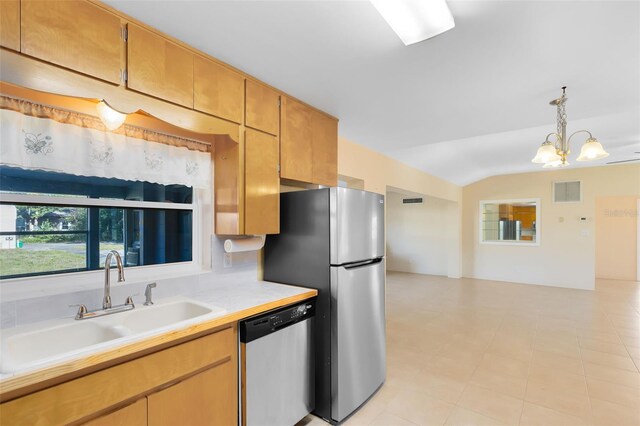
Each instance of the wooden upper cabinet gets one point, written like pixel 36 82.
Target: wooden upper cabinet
pixel 10 24
pixel 324 136
pixel 75 34
pixel 217 90
pixel 262 107
pixel 247 185
pixel 262 183
pixel 158 67
pixel 296 155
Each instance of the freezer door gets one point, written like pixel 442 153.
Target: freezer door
pixel 357 225
pixel 358 351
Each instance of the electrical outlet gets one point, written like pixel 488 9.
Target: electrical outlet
pixel 227 261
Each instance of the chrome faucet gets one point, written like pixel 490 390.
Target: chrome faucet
pixel 106 301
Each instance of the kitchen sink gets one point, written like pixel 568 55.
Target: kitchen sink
pixel 23 349
pixel 158 316
pixel 36 344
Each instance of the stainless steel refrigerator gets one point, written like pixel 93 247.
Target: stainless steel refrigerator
pixel 332 239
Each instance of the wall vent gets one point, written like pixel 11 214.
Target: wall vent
pixel 412 201
pixel 567 192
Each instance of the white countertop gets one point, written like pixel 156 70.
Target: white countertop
pixel 228 294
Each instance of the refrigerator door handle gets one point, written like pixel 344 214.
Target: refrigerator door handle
pixel 362 263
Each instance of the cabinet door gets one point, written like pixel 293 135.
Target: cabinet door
pixel 208 398
pixel 262 183
pixel 159 67
pixel 228 183
pixel 262 108
pixel 132 415
pixel 10 24
pixel 324 132
pixel 217 90
pixel 75 34
pixel 295 141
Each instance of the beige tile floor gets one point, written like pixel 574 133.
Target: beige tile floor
pixel 473 352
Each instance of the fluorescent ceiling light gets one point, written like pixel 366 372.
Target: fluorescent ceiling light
pixel 416 20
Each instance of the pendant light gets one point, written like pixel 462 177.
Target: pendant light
pixel 555 154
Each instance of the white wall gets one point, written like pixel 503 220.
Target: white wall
pixel 417 237
pixel 566 254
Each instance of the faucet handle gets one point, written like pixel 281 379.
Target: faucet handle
pixel 82 310
pixel 129 301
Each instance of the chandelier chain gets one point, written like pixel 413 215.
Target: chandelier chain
pixel 562 116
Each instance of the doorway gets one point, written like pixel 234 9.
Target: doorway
pixel 422 235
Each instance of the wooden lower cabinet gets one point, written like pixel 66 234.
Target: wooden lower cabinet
pixel 201 400
pixel 130 415
pixel 192 383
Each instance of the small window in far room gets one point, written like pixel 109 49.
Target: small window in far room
pixel 510 222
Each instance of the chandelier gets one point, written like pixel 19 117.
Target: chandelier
pixel 554 154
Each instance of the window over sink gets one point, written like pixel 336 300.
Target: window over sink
pixel 55 222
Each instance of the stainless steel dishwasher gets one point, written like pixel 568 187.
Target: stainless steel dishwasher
pixel 277 373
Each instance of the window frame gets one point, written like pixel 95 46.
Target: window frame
pixel 521 243
pixel 88 279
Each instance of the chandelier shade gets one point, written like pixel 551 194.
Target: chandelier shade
pixel 546 154
pixel 592 150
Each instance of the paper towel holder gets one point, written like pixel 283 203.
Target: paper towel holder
pixel 249 243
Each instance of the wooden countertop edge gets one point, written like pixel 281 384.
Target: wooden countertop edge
pixel 32 381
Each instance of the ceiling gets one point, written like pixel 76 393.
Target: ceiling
pixel 467 104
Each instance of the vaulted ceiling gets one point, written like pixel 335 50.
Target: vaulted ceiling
pixel 470 103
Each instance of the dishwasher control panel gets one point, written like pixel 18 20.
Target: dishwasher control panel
pixel 263 324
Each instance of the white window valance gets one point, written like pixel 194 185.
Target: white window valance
pixel 45 144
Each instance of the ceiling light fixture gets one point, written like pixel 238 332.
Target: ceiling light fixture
pixel 111 118
pixel 416 20
pixel 554 154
